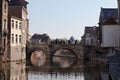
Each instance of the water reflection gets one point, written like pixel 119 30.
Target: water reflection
pixel 55 76
pixel 13 71
pixel 63 58
pixel 38 58
pixel 2 76
pixel 83 70
pixel 63 62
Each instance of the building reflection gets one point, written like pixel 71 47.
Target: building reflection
pixel 13 71
pixel 80 71
pixel 2 76
pixel 96 71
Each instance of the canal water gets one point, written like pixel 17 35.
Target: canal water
pixel 81 70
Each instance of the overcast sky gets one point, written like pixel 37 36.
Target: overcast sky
pixel 65 18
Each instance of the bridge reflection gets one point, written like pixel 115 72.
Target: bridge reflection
pixel 38 58
pixel 81 71
pixel 63 58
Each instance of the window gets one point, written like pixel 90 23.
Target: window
pixel 5 7
pixel 16 39
pixel 5 24
pixel 19 25
pixel 13 24
pixel 12 38
pixel 19 38
pixel 4 43
pixel 16 24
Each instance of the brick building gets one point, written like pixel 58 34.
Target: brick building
pixel 3 28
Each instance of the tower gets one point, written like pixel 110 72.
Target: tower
pixel 3 27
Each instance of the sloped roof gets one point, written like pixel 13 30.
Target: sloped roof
pixel 106 13
pixel 91 30
pixel 15 11
pixel 18 3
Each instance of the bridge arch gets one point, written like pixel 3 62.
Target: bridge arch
pixel 37 50
pixel 71 48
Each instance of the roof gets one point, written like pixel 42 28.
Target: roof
pixel 106 13
pixel 91 29
pixel 18 3
pixel 15 11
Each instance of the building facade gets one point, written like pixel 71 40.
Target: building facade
pixel 107 16
pixel 109 28
pixel 18 29
pixel 90 37
pixel 3 28
pixel 15 37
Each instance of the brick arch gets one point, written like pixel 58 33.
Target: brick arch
pixel 32 50
pixel 75 51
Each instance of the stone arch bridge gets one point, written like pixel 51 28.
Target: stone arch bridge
pixel 49 50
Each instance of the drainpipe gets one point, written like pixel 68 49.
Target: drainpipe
pixel 118 1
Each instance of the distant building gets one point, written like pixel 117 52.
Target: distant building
pixel 72 40
pixel 90 37
pixel 3 28
pixel 59 41
pixel 40 39
pixel 18 29
pixel 109 28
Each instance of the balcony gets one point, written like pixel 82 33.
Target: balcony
pixel 5 32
